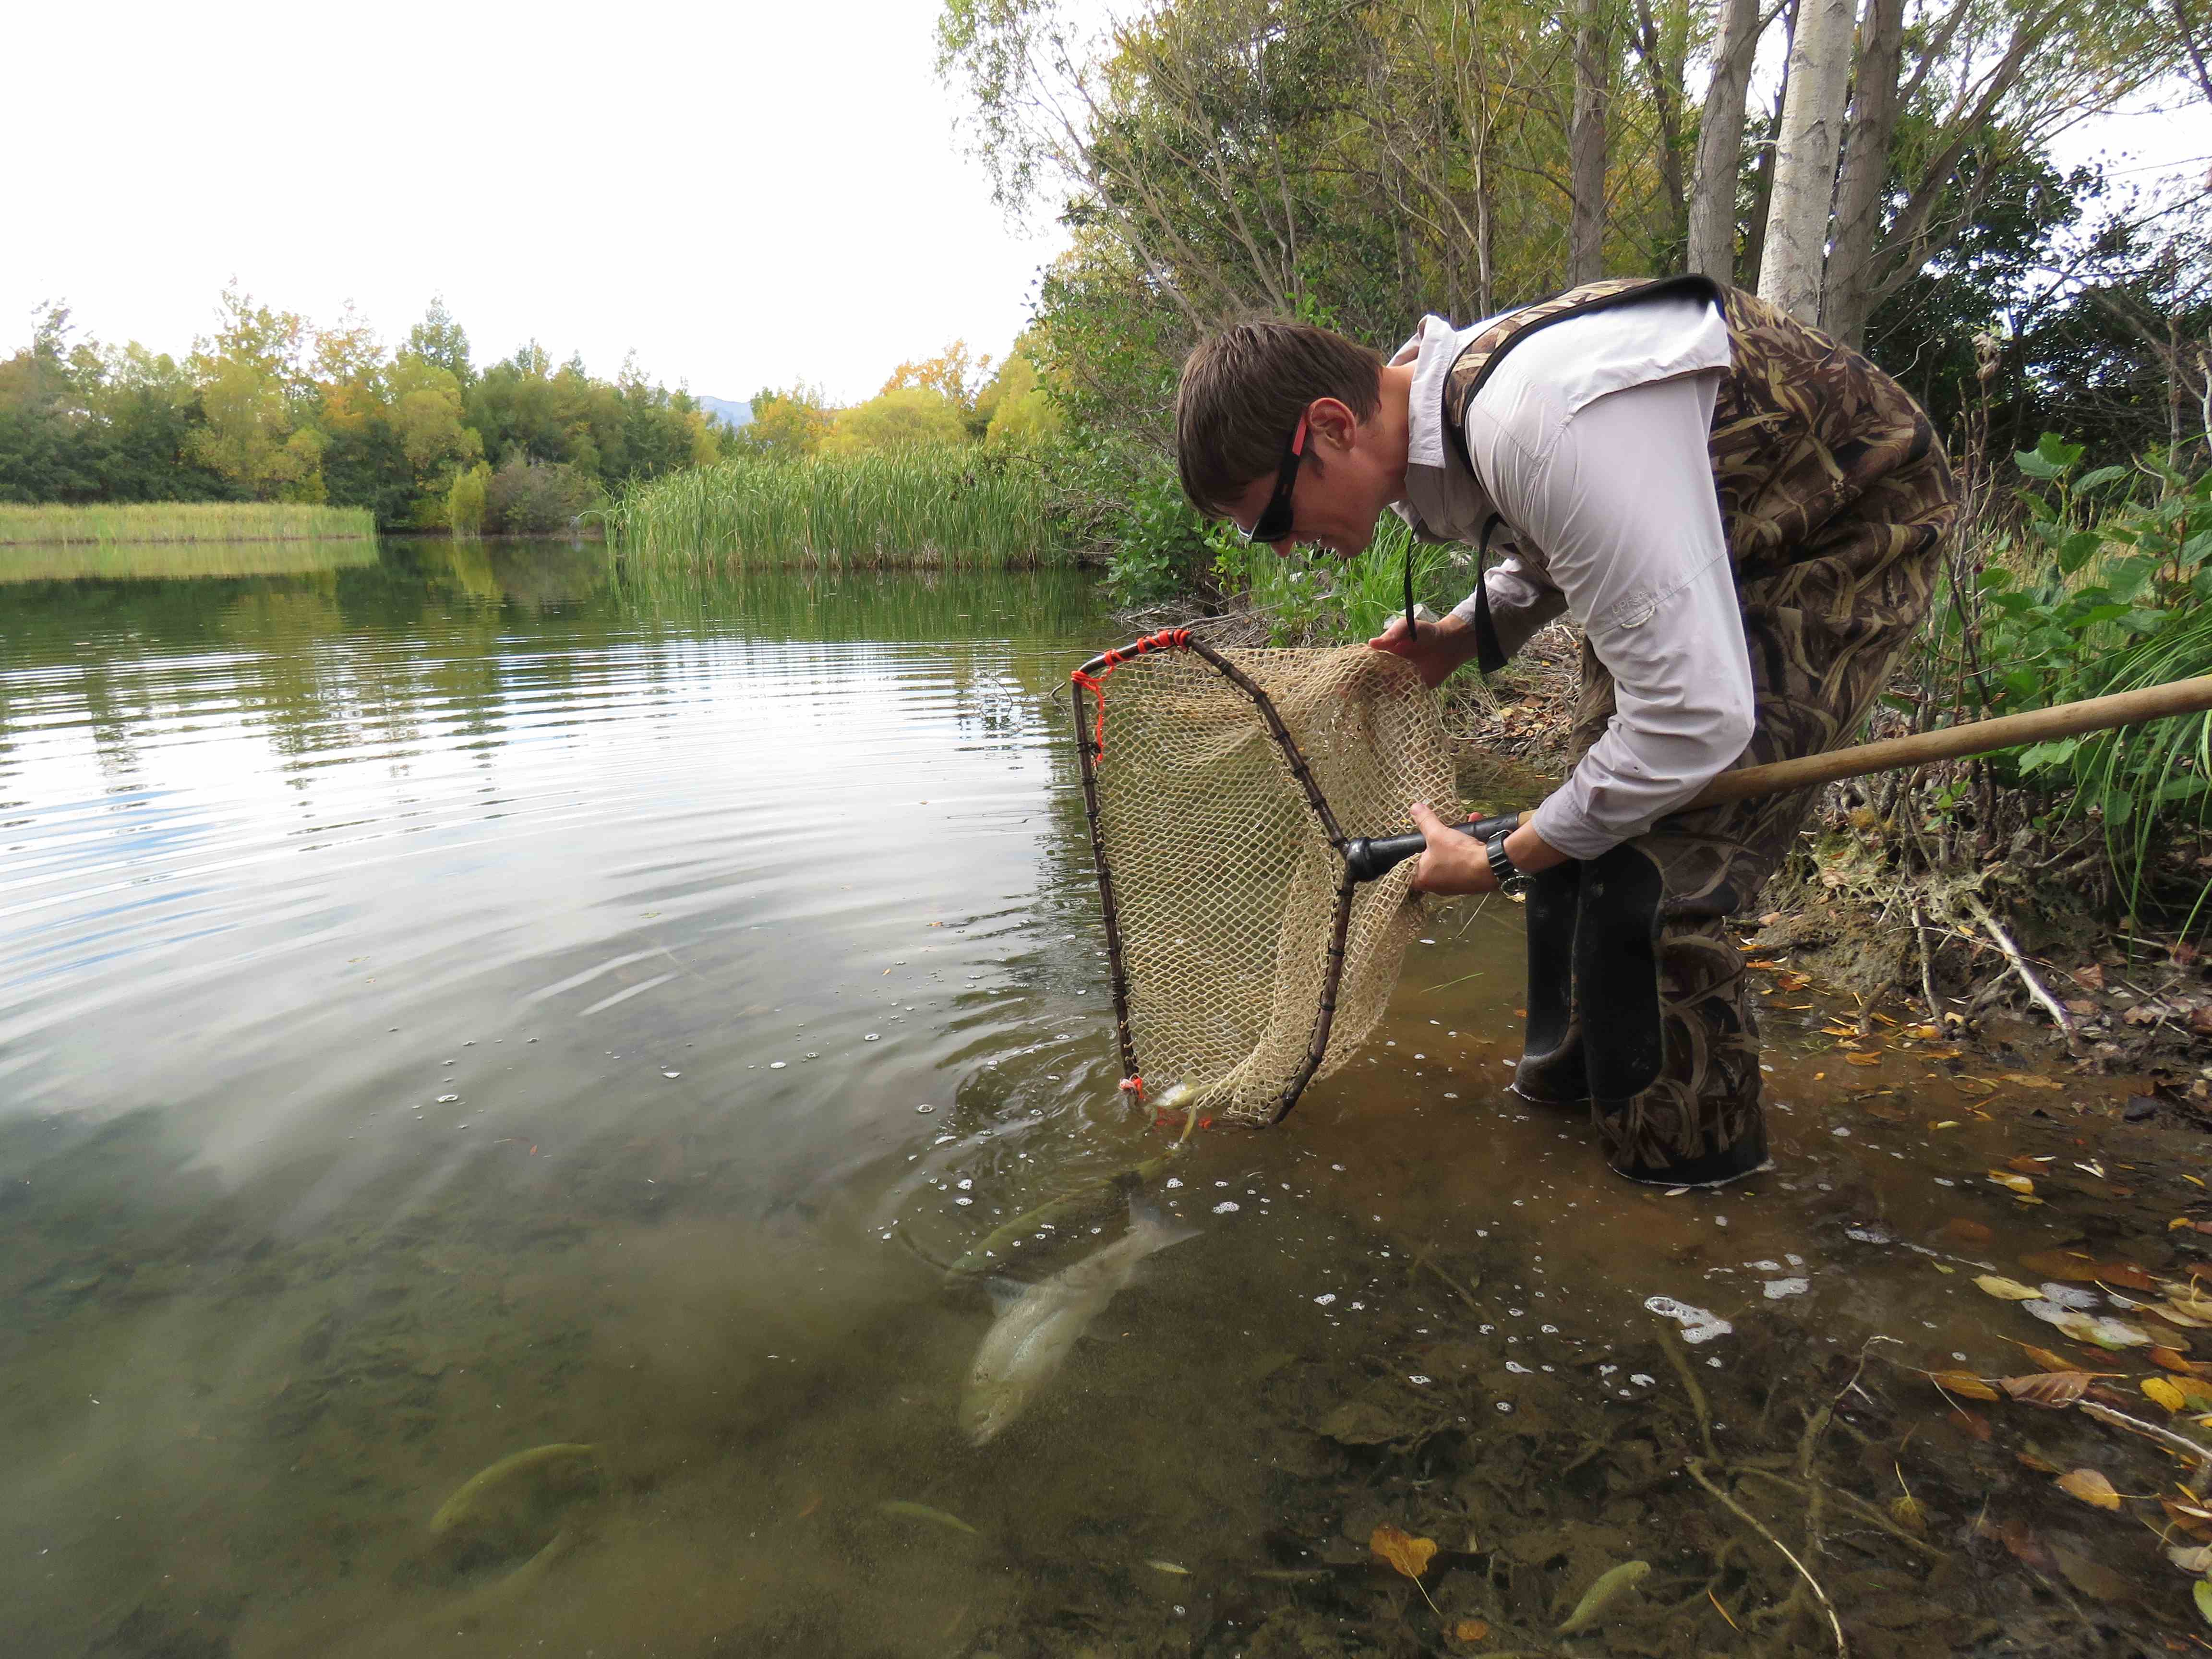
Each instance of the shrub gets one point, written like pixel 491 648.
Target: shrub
pixel 536 498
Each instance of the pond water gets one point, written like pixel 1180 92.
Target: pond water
pixel 457 1002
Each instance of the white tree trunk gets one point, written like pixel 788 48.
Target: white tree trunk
pixel 1586 143
pixel 1720 142
pixel 1848 299
pixel 1805 158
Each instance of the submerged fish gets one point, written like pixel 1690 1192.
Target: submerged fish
pixel 1091 1200
pixel 1598 1600
pixel 1037 1328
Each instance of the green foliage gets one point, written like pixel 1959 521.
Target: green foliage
pixel 904 417
pixel 787 425
pixel 538 498
pixel 940 505
pixel 2104 592
pixel 270 409
pixel 468 500
pixel 1313 595
pixel 1161 545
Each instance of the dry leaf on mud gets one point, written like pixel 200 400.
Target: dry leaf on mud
pixel 2023 1164
pixel 1408 1554
pixel 2172 1361
pixel 2161 1391
pixel 2055 1389
pixel 2013 1183
pixel 2028 1079
pixel 2007 1289
pixel 1909 1513
pixel 1962 1383
pixel 2090 1487
pixel 1470 1630
pixel 2045 1359
pixel 2072 1265
pixel 2192 1520
pixel 1863 1060
pixel 2032 1459
pixel 2201 1592
pixel 1967 1424
pixel 2192 1557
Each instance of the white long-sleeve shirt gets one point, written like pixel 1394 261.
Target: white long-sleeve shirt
pixel 1589 441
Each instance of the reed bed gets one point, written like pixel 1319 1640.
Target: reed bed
pixel 184 521
pixel 919 506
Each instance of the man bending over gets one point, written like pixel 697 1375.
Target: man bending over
pixel 1744 518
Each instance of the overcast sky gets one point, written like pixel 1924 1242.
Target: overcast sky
pixel 744 193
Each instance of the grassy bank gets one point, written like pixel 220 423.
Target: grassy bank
pixel 919 506
pixel 183 521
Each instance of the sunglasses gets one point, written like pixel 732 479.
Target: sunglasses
pixel 1273 524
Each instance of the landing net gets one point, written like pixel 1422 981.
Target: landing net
pixel 1221 787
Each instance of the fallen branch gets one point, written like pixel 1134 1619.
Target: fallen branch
pixel 1681 1361
pixel 2051 1006
pixel 1927 970
pixel 1696 1469
pixel 2199 1455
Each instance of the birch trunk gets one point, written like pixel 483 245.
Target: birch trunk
pixel 1586 143
pixel 1720 142
pixel 1848 299
pixel 1805 159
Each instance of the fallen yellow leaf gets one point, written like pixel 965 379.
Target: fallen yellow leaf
pixel 2090 1487
pixel 1962 1383
pixel 1408 1554
pixel 2007 1289
pixel 2161 1391
pixel 2028 1080
pixel 1863 1060
pixel 2011 1183
pixel 1400 1549
pixel 1470 1630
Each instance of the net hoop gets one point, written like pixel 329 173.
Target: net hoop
pixel 1089 746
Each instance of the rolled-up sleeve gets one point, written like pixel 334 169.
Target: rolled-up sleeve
pixel 1619 496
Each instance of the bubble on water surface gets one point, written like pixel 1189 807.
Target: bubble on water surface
pixel 1699 1324
pixel 1174 1181
pixel 775 1065
pixel 1778 1288
pixel 871 1037
pixel 1227 1207
pixel 671 1074
pixel 447 1100
pixel 941 1139
pixel 1325 1299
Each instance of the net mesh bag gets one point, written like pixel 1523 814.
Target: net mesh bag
pixel 1222 786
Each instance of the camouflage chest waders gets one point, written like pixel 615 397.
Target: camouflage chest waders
pixel 1835 495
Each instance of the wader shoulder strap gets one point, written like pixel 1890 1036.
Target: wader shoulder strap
pixel 1487 349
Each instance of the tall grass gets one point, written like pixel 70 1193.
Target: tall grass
pixel 919 506
pixel 184 521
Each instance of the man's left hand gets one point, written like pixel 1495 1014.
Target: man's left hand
pixel 1452 862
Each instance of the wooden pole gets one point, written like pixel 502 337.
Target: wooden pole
pixel 2066 720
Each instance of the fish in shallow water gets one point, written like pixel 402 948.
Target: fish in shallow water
pixel 1599 1599
pixel 1037 1328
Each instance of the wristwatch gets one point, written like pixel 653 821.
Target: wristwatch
pixel 1511 881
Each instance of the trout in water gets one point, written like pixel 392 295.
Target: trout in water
pixel 1035 1330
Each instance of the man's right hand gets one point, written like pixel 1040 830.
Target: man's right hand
pixel 1436 650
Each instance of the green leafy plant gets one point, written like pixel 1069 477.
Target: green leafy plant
pixel 2105 594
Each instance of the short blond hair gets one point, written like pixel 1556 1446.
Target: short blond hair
pixel 1243 392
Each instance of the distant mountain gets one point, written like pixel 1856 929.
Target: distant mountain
pixel 736 416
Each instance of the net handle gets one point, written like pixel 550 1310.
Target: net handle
pixel 1090 745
